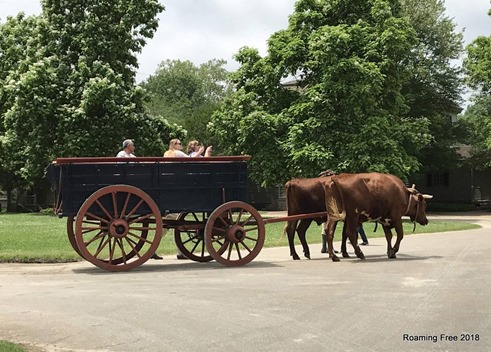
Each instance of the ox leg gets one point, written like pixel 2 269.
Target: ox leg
pixel 400 236
pixel 324 238
pixel 301 230
pixel 329 228
pixel 344 238
pixel 388 236
pixel 290 231
pixel 352 233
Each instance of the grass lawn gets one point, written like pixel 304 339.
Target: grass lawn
pixel 38 238
pixel 6 346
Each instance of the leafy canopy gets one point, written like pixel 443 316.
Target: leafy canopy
pixel 344 110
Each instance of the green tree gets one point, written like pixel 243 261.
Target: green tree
pixel 187 94
pixel 477 67
pixel 74 92
pixel 348 113
pixel 16 39
pixel 434 87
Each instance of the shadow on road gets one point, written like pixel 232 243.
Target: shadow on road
pixel 169 267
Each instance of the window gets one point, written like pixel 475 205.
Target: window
pixel 436 179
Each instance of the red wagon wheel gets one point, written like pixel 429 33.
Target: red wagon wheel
pixel 118 228
pixel 192 242
pixel 234 233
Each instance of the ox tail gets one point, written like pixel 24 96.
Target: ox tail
pixel 333 209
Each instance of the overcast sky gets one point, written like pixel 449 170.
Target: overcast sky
pixel 201 30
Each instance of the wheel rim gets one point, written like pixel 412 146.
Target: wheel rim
pixel 118 228
pixel 192 242
pixel 71 234
pixel 234 233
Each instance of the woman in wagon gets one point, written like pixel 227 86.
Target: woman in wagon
pixel 175 150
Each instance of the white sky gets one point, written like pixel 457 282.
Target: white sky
pixel 201 30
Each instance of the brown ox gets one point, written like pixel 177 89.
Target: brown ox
pixel 304 195
pixel 356 198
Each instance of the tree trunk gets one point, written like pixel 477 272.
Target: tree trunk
pixel 10 208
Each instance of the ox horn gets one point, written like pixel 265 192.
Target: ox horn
pixel 427 196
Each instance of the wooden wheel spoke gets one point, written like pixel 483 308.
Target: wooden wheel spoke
pixel 223 221
pixel 230 247
pixel 251 238
pixel 111 250
pixel 245 246
pixel 95 217
pixel 140 238
pixel 251 229
pixel 248 219
pixel 101 234
pixel 202 248
pixel 135 208
pixel 219 229
pixel 195 246
pixel 133 248
pixel 239 216
pixel 238 250
pixel 123 253
pixel 125 205
pixel 190 239
pixel 115 204
pixel 102 246
pixel 103 208
pixel 141 218
pixel 86 229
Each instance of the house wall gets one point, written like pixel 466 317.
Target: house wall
pixel 461 185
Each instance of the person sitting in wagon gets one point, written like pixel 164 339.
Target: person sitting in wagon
pixel 127 152
pixel 175 150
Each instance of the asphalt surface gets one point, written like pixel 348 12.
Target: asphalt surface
pixel 437 290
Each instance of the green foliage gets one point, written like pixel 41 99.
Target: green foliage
pixel 67 84
pixel 434 86
pixel 187 94
pixel 477 66
pixel 347 111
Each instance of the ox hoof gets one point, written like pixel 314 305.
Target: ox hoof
pixel 346 255
pixel 391 254
pixel 307 255
pixel 323 250
pixel 335 259
pixel 361 256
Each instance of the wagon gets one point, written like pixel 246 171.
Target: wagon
pixel 117 209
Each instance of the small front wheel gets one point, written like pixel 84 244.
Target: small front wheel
pixel 234 233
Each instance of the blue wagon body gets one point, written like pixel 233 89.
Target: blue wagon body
pixel 175 185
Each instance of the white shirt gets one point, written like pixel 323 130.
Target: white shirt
pixel 123 154
pixel 180 154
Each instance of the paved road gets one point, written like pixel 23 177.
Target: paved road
pixel 438 288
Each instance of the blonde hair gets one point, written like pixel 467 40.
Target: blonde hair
pixel 172 150
pixel 191 146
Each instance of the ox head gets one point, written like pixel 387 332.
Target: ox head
pixel 416 208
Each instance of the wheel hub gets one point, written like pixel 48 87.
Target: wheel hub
pixel 236 233
pixel 119 228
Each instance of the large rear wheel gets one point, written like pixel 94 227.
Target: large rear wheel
pixel 118 228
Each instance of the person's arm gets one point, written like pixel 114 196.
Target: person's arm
pixel 208 151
